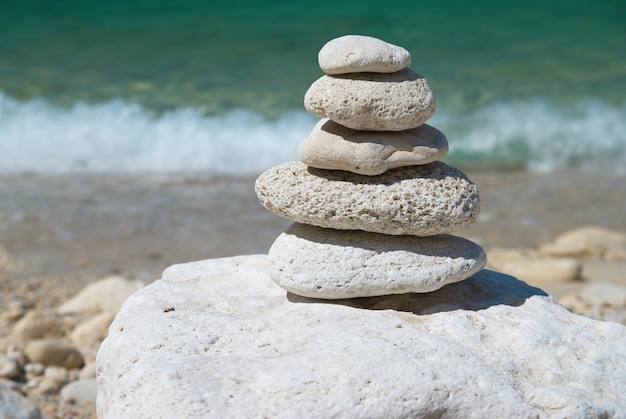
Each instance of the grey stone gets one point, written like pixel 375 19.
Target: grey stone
pixel 372 101
pixel 358 53
pixel 335 147
pixel 15 406
pixel 419 200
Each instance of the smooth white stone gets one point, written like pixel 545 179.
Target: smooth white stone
pixel 326 263
pixel 335 147
pixel 372 101
pixel 218 338
pixel 358 53
pixel 418 200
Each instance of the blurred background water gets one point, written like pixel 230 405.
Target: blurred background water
pixel 200 85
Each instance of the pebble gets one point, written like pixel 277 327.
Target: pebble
pixel 358 53
pixel 82 390
pixel 590 242
pixel 34 369
pixel 417 200
pixel 37 325
pixel 88 371
pixel 371 101
pixel 54 352
pixel 15 406
pixel 335 147
pixel 530 266
pixel 8 367
pixel 92 331
pixel 325 263
pixel 106 294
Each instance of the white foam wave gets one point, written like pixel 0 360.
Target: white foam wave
pixel 121 137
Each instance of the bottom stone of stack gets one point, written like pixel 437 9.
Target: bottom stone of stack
pixel 324 263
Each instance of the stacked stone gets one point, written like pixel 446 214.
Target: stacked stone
pixel 371 201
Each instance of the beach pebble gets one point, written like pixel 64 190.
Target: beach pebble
pixel 37 325
pixel 88 371
pixel 358 53
pixel 333 146
pixel 419 200
pixel 588 243
pixel 372 102
pixel 107 294
pixel 54 352
pixel 15 406
pixel 83 390
pixel 532 267
pixel 490 346
pixel 34 369
pixel 326 263
pixel 8 367
pixel 92 331
pixel 604 293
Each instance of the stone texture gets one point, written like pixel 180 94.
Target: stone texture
pixel 358 53
pixel 417 200
pixel 54 352
pixel 325 263
pixel 107 294
pixel 372 102
pixel 335 147
pixel 237 345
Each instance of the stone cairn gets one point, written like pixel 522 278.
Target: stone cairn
pixel 371 201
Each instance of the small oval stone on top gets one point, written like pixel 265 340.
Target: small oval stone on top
pixel 362 54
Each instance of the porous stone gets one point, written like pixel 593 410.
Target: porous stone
pixel 358 53
pixel 106 294
pixel 419 200
pixel 225 341
pixel 326 263
pixel 335 147
pixel 54 352
pixel 372 101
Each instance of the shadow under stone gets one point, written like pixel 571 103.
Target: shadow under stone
pixel 482 290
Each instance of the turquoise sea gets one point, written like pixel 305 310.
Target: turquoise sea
pixel 200 85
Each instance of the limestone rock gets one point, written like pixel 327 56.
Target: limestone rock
pixel 107 294
pixel 419 200
pixel 325 263
pixel 371 101
pixel 54 352
pixel 357 53
pixel 15 406
pixel 335 147
pixel 237 345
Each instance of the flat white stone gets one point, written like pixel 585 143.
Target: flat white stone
pixel 218 338
pixel 358 53
pixel 325 263
pixel 335 147
pixel 372 101
pixel 418 200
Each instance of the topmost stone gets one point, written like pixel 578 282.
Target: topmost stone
pixel 362 54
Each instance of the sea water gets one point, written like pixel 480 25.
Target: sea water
pixel 191 85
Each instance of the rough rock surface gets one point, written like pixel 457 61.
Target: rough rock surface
pixel 225 341
pixel 371 101
pixel 335 147
pixel 419 200
pixel 326 263
pixel 358 53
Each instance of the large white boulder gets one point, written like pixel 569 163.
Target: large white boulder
pixel 218 338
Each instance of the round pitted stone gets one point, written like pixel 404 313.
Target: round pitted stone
pixel 335 147
pixel 419 200
pixel 325 263
pixel 358 54
pixel 372 101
